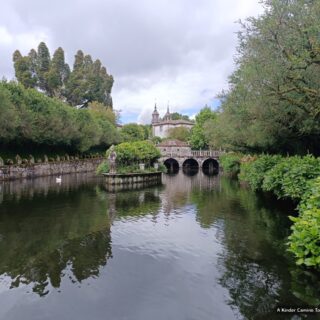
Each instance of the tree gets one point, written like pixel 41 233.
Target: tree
pixel 101 110
pixel 30 117
pixel 132 132
pixel 87 82
pixel 179 133
pixel 179 116
pixel 58 74
pixel 198 139
pixel 273 103
pixel 23 70
pixel 43 67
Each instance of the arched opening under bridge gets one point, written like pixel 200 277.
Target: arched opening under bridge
pixel 190 166
pixel 172 165
pixel 210 166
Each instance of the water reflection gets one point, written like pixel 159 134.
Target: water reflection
pixel 50 231
pixel 198 247
pixel 254 265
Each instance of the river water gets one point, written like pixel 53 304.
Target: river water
pixel 195 248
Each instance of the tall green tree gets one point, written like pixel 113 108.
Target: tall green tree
pixel 43 67
pixel 23 70
pixel 198 139
pixel 273 103
pixel 58 74
pixel 132 132
pixel 179 133
pixel 86 83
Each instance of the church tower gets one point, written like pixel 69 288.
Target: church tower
pixel 155 115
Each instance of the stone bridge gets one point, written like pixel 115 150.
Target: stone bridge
pixel 177 154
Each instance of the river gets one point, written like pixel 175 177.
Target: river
pixel 195 248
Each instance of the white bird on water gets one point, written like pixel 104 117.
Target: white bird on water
pixel 58 179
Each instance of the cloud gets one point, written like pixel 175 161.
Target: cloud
pixel 179 50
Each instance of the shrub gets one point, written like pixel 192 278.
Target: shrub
pixel 103 167
pixel 230 163
pixel 135 152
pixel 254 171
pixel 288 178
pixel 304 242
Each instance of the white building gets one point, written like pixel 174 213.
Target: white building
pixel 160 127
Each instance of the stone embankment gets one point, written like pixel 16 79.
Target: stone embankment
pixel 22 171
pixel 116 182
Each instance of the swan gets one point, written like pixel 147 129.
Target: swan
pixel 58 179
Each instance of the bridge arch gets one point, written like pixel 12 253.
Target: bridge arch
pixel 172 165
pixel 190 166
pixel 210 166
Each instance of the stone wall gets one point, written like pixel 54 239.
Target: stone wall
pixel 116 182
pixel 13 172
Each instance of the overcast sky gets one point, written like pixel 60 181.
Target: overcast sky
pixel 179 51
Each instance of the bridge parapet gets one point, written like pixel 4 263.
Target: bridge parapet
pixel 205 153
pixel 192 154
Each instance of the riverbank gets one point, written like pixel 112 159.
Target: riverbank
pixel 295 178
pixel 34 170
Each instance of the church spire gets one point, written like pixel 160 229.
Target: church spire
pixel 155 114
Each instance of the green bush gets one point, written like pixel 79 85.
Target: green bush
pixel 254 171
pixel 230 163
pixel 129 153
pixel 103 167
pixel 289 178
pixel 304 242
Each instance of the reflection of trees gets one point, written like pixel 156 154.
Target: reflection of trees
pixel 42 186
pixel 134 203
pixel 63 233
pixel 42 240
pixel 254 263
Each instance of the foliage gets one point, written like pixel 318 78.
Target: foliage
pixel 304 242
pixel 230 163
pixel 179 133
pixel 273 101
pixel 133 132
pixel 289 178
pixel 156 139
pixel 87 82
pixel 179 116
pixel 254 171
pixel 103 167
pixel 198 140
pixel 29 117
pixel 130 153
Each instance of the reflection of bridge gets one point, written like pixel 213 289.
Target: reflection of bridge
pixel 186 158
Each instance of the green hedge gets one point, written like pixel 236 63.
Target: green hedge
pixel 230 163
pixel 29 117
pixel 296 178
pixel 289 178
pixel 304 242
pixel 254 171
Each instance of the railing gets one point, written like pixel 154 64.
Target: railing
pixel 193 153
pixel 206 153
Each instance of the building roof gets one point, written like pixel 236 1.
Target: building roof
pixel 172 143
